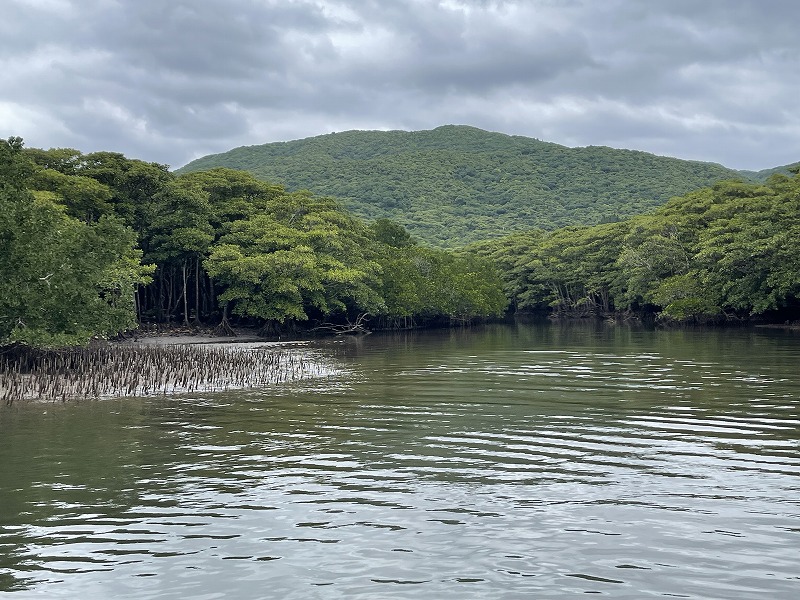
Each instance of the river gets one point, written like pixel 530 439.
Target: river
pixel 499 462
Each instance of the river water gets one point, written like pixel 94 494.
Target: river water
pixel 507 461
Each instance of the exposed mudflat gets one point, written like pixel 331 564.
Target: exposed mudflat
pixel 184 336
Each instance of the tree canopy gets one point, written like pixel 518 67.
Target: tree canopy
pixel 722 252
pixel 64 280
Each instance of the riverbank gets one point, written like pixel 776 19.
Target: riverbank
pixel 168 336
pixel 198 339
pixel 787 326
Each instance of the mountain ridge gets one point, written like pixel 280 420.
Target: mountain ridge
pixel 456 184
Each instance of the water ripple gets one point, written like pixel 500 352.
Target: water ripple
pixel 450 471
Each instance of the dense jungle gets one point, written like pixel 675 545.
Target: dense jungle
pixel 95 244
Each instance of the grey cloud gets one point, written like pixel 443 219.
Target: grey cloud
pixel 167 81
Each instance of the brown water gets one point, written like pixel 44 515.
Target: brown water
pixel 500 462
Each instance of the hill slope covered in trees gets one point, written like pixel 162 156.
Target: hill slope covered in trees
pixel 765 174
pixel 458 184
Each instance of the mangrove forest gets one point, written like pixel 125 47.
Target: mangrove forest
pixel 94 245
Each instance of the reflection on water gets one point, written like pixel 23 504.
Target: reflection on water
pixel 502 462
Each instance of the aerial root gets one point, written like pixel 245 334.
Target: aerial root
pixel 117 371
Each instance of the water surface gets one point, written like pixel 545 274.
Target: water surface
pixel 527 461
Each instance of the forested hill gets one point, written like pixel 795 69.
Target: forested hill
pixel 765 174
pixel 458 184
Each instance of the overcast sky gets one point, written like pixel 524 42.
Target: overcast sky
pixel 172 80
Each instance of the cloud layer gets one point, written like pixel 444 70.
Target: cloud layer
pixel 170 81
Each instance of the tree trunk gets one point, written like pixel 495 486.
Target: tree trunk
pixel 185 294
pixel 161 297
pixel 212 296
pixel 169 287
pixel 197 320
pixel 137 304
pixel 224 328
pixel 173 311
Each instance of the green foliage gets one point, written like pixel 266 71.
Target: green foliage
pixel 684 298
pixel 729 250
pixel 230 194
pixel 390 233
pixel 454 185
pixel 301 253
pixel 181 224
pixel 98 183
pixel 749 251
pixel 64 281
pixel 67 161
pixel 427 284
pixel 84 197
pixel 516 257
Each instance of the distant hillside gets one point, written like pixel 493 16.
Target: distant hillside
pixel 765 174
pixel 458 184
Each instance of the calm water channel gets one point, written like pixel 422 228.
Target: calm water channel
pixel 501 462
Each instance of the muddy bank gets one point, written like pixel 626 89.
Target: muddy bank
pixel 168 336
